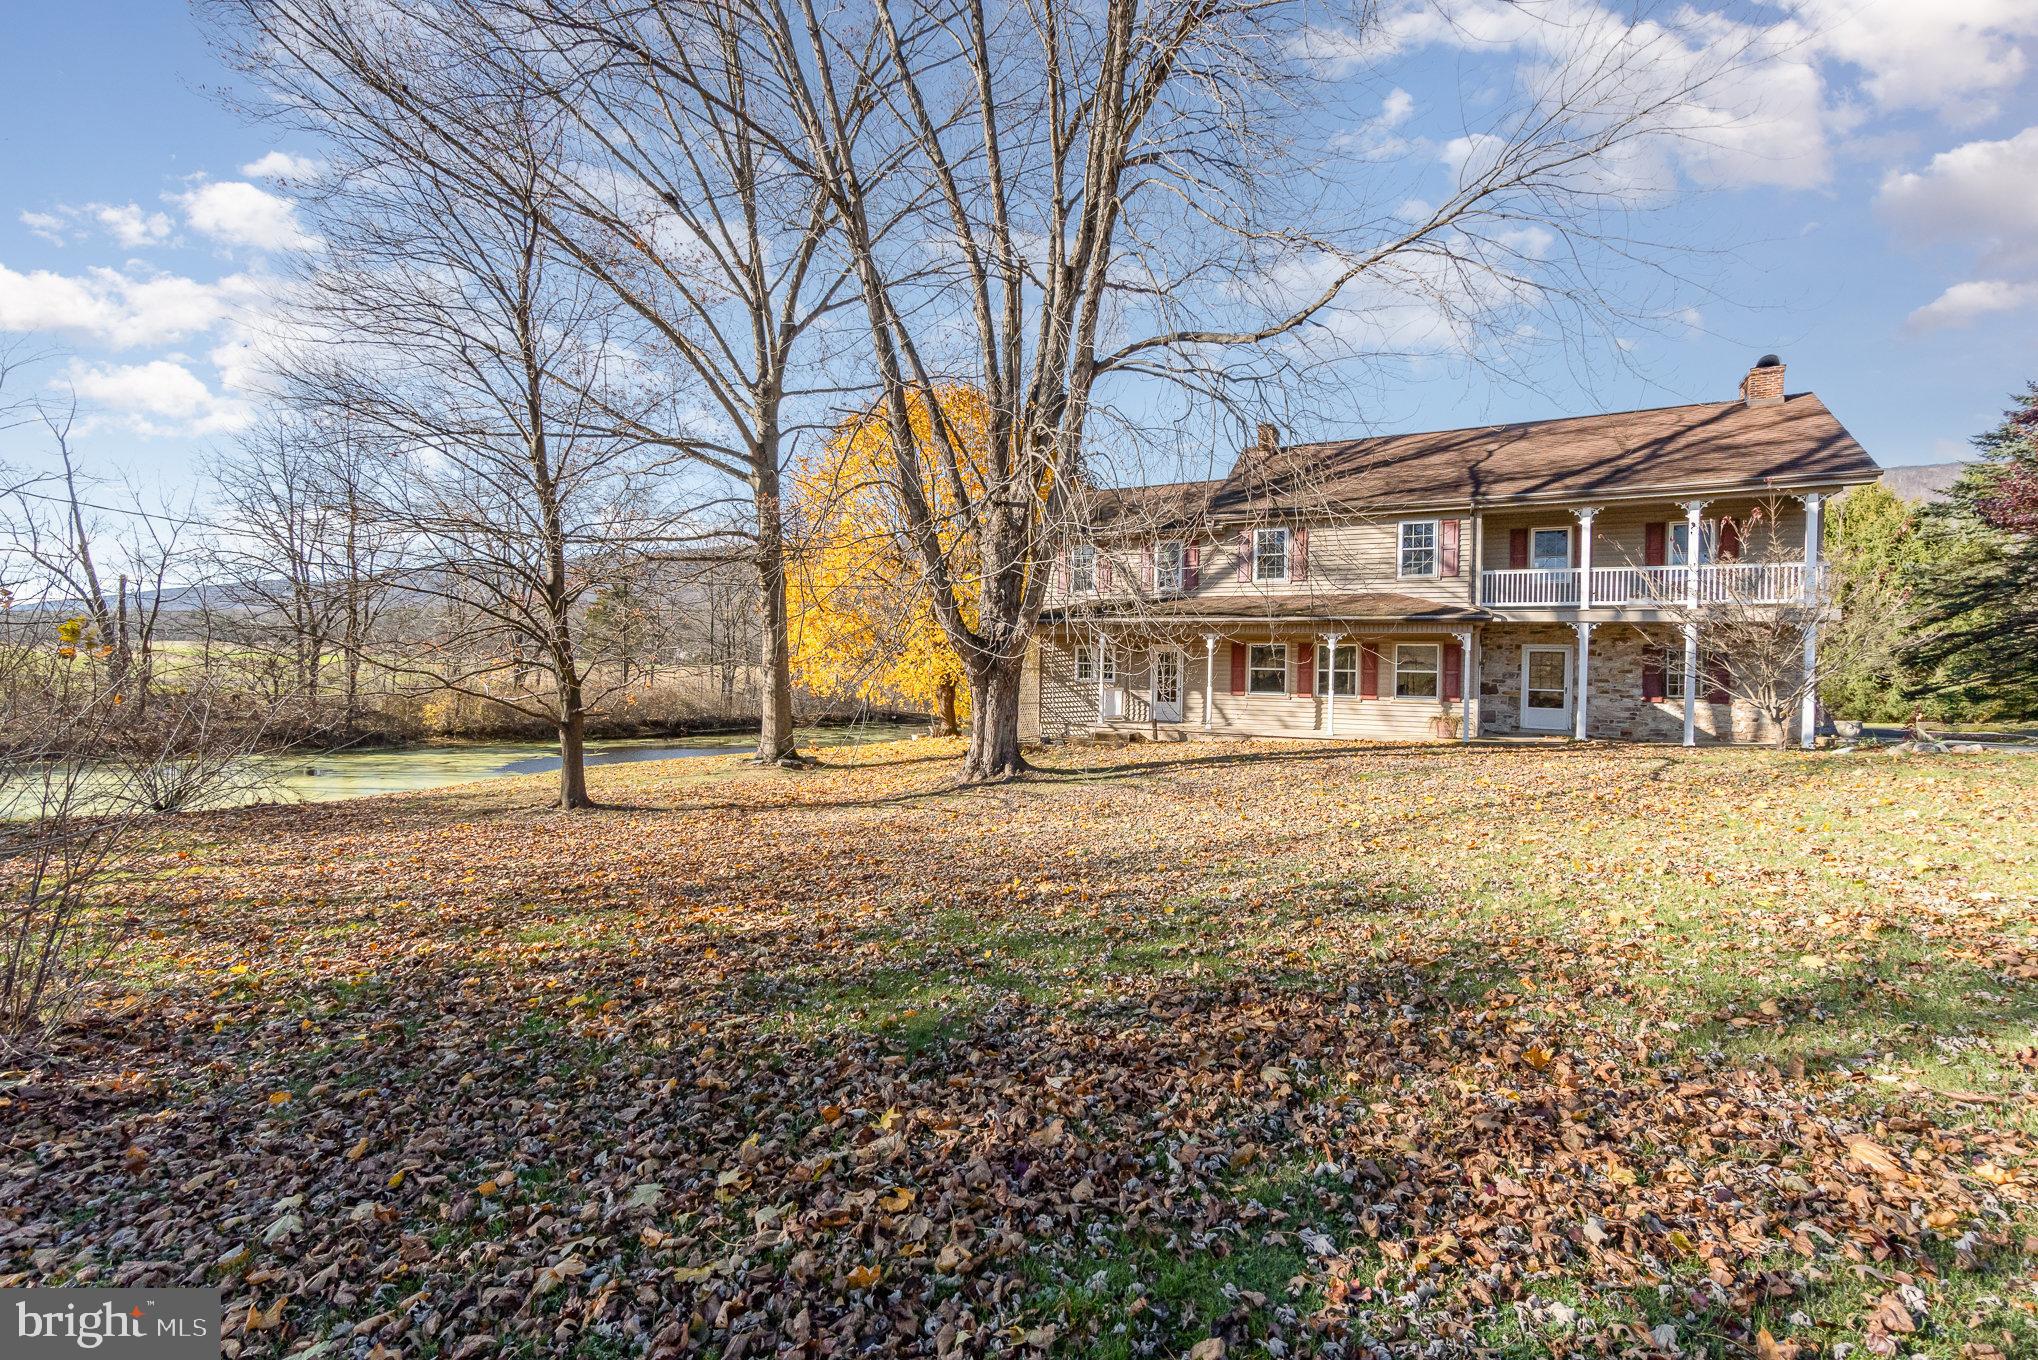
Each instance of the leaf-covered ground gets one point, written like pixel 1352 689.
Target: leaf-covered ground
pixel 1240 1049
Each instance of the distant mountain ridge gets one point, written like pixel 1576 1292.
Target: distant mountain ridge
pixel 1924 483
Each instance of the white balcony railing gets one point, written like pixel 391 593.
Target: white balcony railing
pixel 1543 587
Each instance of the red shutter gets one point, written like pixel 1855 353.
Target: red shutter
pixel 1451 682
pixel 1103 572
pixel 1238 668
pixel 1448 564
pixel 1655 544
pixel 1730 541
pixel 1146 566
pixel 1062 571
pixel 1245 554
pixel 1517 548
pixel 1369 673
pixel 1298 554
pixel 1192 573
pixel 1305 670
pixel 1652 667
pixel 1717 678
pixel 1577 546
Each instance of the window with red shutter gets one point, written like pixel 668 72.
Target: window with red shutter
pixel 1717 678
pixel 1517 549
pixel 1729 549
pixel 1245 556
pixel 1652 672
pixel 1305 670
pixel 1369 673
pixel 1238 668
pixel 1454 671
pixel 1654 553
pixel 1192 574
pixel 1448 565
pixel 1298 554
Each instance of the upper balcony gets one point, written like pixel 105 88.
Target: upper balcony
pixel 1666 587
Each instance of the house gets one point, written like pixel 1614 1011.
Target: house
pixel 1547 577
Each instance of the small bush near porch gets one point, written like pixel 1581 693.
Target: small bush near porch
pixel 1298 1049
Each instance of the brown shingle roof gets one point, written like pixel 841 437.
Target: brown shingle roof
pixel 1705 447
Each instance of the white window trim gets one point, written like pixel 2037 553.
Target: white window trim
pixel 1708 541
pixel 1085 664
pixel 1287 548
pixel 1394 690
pixel 1095 556
pixel 1675 680
pixel 1181 584
pixel 1570 545
pixel 1436 550
pixel 1251 670
pixel 1326 670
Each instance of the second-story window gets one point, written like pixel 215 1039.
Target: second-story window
pixel 1082 569
pixel 1270 554
pixel 1418 547
pixel 1550 549
pixel 1168 575
pixel 1680 542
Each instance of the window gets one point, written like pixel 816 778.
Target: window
pixel 1550 549
pixel 1340 678
pixel 1418 547
pixel 1086 665
pixel 1674 679
pixel 1680 542
pixel 1270 554
pixel 1267 665
pixel 1415 670
pixel 1083 569
pixel 1168 576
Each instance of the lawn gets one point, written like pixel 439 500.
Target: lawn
pixel 1338 1050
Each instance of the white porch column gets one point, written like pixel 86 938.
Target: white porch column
pixel 1814 539
pixel 1586 514
pixel 1584 676
pixel 1209 680
pixel 1694 549
pixel 1103 650
pixel 1465 698
pixel 1691 684
pixel 1330 688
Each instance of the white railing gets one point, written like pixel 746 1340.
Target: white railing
pixel 1746 582
pixel 1531 586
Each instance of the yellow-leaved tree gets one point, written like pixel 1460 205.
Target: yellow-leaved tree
pixel 862 625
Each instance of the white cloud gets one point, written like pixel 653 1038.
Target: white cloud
pixel 1396 107
pixel 281 165
pixel 118 309
pixel 130 226
pixel 1982 191
pixel 49 226
pixel 160 397
pixel 244 214
pixel 1965 303
pixel 1951 57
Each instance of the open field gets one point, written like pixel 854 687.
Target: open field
pixel 1341 1050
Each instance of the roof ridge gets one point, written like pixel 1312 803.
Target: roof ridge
pixel 1541 420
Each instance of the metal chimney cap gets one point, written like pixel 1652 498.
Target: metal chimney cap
pixel 1769 361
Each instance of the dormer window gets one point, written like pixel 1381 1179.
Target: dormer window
pixel 1270 554
pixel 1169 576
pixel 1083 569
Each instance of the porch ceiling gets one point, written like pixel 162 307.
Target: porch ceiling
pixel 1371 607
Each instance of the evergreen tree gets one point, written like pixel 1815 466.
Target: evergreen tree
pixel 1979 646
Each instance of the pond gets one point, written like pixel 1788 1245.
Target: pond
pixel 359 774
pixel 330 776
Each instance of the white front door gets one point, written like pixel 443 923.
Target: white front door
pixel 1167 685
pixel 1110 698
pixel 1546 689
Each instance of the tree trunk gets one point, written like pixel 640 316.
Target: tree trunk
pixel 573 755
pixel 944 709
pixel 775 707
pixel 994 720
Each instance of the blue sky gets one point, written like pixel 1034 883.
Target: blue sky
pixel 1870 219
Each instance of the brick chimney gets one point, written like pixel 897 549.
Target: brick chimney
pixel 1270 437
pixel 1764 384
